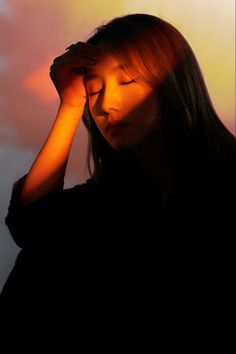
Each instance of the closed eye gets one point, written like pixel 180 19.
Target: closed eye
pixel 126 83
pixel 122 83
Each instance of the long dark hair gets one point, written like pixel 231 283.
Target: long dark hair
pixel 158 53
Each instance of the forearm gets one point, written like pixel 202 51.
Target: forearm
pixel 48 170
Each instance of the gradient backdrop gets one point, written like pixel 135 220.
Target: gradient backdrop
pixel 34 32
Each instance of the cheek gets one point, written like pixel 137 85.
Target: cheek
pixel 148 107
pixel 92 111
pixel 142 97
pixel 153 111
pixel 152 108
pixel 95 112
pixel 148 118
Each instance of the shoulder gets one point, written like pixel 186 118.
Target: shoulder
pixel 56 200
pixel 87 188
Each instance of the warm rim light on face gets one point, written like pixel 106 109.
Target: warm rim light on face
pixel 115 98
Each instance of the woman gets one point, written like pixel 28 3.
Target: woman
pixel 128 261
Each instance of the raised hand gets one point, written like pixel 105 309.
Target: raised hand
pixel 67 72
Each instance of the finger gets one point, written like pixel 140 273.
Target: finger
pixel 86 55
pixel 75 44
pixel 68 56
pixel 84 47
pixel 70 47
pixel 78 61
pixel 61 57
pixel 67 63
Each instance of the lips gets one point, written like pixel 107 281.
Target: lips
pixel 113 124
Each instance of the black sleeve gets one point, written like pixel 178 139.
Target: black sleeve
pixel 48 219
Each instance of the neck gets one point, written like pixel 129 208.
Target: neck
pixel 154 158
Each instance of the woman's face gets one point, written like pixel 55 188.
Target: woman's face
pixel 125 111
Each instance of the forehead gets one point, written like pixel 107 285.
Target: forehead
pixel 107 65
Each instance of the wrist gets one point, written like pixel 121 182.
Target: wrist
pixel 76 111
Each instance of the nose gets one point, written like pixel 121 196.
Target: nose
pixel 110 100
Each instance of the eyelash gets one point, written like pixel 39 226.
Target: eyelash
pixel 127 82
pixel 122 83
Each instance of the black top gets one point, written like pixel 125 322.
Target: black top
pixel 106 267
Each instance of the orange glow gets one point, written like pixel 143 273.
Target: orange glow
pixel 40 84
pixel 209 26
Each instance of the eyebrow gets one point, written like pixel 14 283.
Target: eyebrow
pixel 113 70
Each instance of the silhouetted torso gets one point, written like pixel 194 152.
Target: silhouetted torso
pixel 108 266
